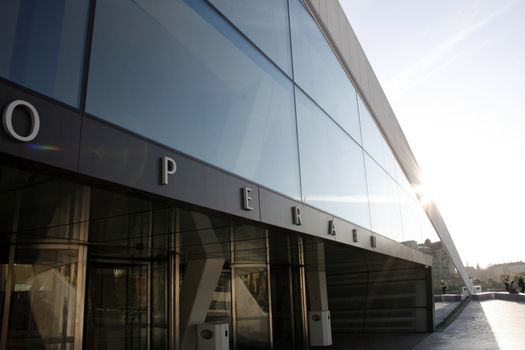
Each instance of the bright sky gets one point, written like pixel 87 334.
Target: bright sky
pixel 454 73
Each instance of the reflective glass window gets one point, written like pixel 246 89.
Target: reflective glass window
pixel 117 306
pixel 43 300
pixel 49 210
pixel 252 307
pixel 265 23
pixel 319 73
pixel 403 181
pixel 4 259
pixel 178 73
pixel 42 45
pixel 374 142
pixel 412 232
pixel 385 211
pixel 120 225
pixel 332 169
pixel 250 244
pixel 203 236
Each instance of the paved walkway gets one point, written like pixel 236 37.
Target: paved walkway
pixel 486 325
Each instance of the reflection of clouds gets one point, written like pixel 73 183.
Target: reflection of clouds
pixel 358 199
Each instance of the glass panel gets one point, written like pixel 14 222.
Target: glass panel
pixel 159 301
pixel 221 305
pixel 117 307
pixel 43 300
pixel 250 244
pixel 48 211
pixel 161 228
pixel 374 142
pixel 251 301
pixel 7 208
pixel 191 81
pixel 42 45
pixel 265 23
pixel 385 211
pixel 282 307
pixel 120 225
pixel 319 73
pixel 403 181
pixel 332 167
pixel 4 259
pixel 203 236
pixel 412 231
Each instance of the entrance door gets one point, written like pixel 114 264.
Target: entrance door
pixel 117 307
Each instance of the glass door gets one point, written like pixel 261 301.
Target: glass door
pixel 117 307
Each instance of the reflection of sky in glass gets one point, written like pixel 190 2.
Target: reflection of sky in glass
pixel 331 165
pixel 199 87
pixel 319 73
pixel 385 210
pixel 265 23
pixel 466 132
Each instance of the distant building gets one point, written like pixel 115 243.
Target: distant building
pixel 512 268
pixel 443 267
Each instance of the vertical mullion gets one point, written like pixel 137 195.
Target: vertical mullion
pixel 149 278
pixel 10 271
pixel 176 285
pixel 303 291
pixel 269 289
pixel 291 290
pixel 233 287
pixel 85 201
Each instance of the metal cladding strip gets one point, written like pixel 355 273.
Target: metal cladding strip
pixel 332 19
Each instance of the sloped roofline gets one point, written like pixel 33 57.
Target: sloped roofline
pixel 333 21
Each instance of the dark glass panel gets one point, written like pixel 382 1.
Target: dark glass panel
pixel 120 225
pixel 250 244
pixel 42 45
pixel 50 211
pixel 117 307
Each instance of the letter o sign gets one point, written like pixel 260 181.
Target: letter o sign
pixel 7 120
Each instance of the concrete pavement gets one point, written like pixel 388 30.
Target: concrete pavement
pixel 486 325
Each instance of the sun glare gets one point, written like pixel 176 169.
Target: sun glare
pixel 423 194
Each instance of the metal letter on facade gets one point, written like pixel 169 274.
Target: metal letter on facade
pixel 246 198
pixel 296 215
pixel 373 241
pixel 7 120
pixel 331 228
pixel 168 167
pixel 354 234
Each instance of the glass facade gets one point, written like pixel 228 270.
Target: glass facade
pixel 253 88
pixel 199 87
pixel 318 71
pixel 265 23
pixel 42 46
pixel 332 170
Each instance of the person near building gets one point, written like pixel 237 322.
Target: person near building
pixel 521 284
pixel 444 287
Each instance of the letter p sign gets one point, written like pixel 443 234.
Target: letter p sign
pixel 168 167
